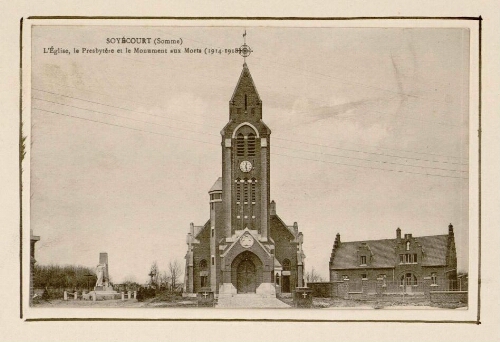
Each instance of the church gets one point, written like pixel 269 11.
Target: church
pixel 244 247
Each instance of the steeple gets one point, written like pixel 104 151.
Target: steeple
pixel 245 103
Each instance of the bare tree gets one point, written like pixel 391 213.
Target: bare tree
pixel 163 280
pixel 154 274
pixel 174 273
pixel 313 276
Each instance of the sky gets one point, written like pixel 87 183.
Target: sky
pixel 369 133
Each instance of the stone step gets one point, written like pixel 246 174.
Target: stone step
pixel 250 301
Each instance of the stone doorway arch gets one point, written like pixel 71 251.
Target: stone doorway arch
pixel 246 272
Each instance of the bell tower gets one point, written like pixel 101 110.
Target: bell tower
pixel 245 161
pixel 244 247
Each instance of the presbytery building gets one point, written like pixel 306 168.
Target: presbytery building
pixel 405 260
pixel 244 247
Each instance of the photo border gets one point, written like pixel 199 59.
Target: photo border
pixel 251 18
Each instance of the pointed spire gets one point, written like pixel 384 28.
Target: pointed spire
pixel 245 82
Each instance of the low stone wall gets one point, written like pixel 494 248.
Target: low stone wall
pixel 449 296
pixel 386 291
pixel 322 289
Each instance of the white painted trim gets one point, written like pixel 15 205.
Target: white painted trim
pixel 245 124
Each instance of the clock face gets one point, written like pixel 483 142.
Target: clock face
pixel 246 166
pixel 246 241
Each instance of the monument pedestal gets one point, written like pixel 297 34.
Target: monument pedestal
pixel 104 288
pixel 302 297
pixel 206 297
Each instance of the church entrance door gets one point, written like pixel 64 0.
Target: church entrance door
pixel 246 277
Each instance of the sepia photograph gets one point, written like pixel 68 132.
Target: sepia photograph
pixel 189 168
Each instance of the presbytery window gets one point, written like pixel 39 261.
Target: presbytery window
pixel 434 278
pixel 408 279
pixel 363 260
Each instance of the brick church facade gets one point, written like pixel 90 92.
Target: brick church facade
pixel 404 261
pixel 244 247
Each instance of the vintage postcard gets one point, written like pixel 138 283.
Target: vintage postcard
pixel 288 170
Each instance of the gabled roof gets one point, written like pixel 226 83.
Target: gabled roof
pixel 199 229
pixel 244 79
pixel 217 185
pixel 384 255
pixel 287 228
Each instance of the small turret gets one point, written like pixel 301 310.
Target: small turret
pixel 272 208
pixel 336 244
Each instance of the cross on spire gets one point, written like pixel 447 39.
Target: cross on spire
pixel 245 50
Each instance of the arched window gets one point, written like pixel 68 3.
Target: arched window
pixel 251 145
pixel 240 145
pixel 253 190
pixel 408 279
pixel 203 273
pixel 245 190
pixel 277 278
pixel 407 245
pixel 286 265
pixel 203 265
pixel 238 190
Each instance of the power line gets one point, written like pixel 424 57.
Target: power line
pixel 302 142
pixel 378 161
pixel 124 117
pixel 205 142
pixel 374 153
pixel 378 147
pixel 130 110
pixel 288 67
pixel 134 129
pixel 289 148
pixel 373 168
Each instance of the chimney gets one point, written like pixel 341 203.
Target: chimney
pixel 272 209
pixel 336 244
pixel 296 228
pixel 398 235
pixel 191 228
pixel 450 230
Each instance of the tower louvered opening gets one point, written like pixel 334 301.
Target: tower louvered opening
pixel 240 145
pixel 251 145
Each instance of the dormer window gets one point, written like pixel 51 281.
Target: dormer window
pixel 363 260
